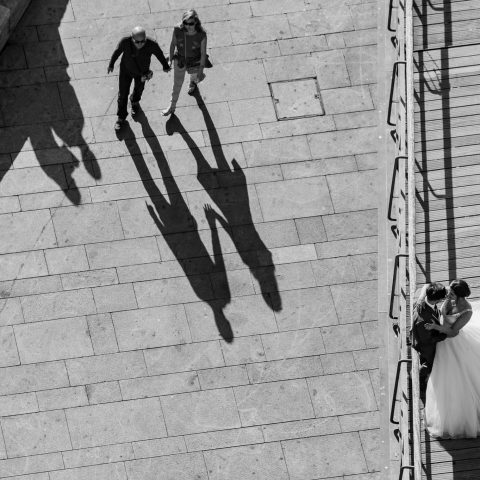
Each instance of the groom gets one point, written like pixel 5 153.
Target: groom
pixel 425 341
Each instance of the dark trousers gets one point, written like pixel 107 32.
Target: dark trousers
pixel 426 365
pixel 124 82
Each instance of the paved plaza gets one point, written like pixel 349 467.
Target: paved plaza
pixel 124 259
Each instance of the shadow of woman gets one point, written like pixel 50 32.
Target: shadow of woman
pixel 232 198
pixel 34 110
pixel 174 220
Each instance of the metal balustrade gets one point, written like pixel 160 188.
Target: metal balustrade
pixel 404 273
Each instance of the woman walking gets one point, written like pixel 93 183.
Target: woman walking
pixel 188 50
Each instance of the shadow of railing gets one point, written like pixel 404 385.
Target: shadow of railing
pixel 457 459
pixel 441 86
pixel 461 455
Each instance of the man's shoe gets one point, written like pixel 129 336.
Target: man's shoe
pixel 119 124
pixel 192 89
pixel 135 108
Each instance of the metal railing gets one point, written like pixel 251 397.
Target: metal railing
pixel 396 167
pixel 403 361
pixel 407 419
pixel 412 256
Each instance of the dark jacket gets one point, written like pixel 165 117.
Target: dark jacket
pixel 423 340
pixel 137 61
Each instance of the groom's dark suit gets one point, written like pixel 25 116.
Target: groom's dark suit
pixel 423 340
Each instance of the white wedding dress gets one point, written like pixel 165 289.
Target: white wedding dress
pixel 452 407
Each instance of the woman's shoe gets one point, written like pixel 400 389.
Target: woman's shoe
pixel 192 89
pixel 168 111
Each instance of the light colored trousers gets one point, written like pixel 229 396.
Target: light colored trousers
pixel 179 78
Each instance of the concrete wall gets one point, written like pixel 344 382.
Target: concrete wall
pixel 10 13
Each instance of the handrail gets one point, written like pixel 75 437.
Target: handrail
pixel 394 283
pixel 389 21
pixel 392 88
pixel 395 390
pixel 392 187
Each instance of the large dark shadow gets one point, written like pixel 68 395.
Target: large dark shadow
pixel 38 103
pixel 174 220
pixel 465 457
pixel 227 187
pixel 455 459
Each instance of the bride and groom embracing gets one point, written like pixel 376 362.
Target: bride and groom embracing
pixel 446 333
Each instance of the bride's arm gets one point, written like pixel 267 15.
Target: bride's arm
pixel 451 330
pixel 461 321
pixel 447 330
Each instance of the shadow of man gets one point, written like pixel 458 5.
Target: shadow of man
pixel 34 111
pixel 174 220
pixel 228 188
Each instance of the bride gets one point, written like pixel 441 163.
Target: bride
pixel 452 407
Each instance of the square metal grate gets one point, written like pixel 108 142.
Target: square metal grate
pixel 297 98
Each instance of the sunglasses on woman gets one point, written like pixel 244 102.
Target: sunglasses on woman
pixel 190 24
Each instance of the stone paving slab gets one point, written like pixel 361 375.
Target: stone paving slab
pixel 114 286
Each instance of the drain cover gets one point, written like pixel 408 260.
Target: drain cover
pixel 297 98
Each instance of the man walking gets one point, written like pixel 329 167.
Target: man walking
pixel 137 51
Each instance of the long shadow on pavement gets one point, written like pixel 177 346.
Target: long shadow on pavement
pixel 174 220
pixel 228 189
pixel 34 110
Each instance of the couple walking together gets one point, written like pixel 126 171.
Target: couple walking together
pixel 446 333
pixel 188 53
